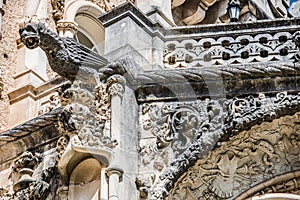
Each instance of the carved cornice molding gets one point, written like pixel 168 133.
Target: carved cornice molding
pixel 65 25
pixel 190 130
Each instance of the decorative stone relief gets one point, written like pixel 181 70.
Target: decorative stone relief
pixel 229 50
pixel 85 116
pixel 191 12
pixel 252 156
pixel 109 4
pixel 58 9
pixel 285 183
pixel 189 130
pixel 26 186
pixel 50 104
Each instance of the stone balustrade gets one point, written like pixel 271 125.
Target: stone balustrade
pixel 237 44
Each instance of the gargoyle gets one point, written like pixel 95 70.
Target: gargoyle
pixel 66 57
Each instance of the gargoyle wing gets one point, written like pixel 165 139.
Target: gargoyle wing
pixel 81 55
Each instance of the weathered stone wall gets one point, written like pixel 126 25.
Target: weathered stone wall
pixel 8 53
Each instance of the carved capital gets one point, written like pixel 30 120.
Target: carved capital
pixel 67 26
pixel 114 171
pixel 116 85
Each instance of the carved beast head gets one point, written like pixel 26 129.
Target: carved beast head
pixel 30 34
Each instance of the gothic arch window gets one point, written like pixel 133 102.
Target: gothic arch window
pixel 85 180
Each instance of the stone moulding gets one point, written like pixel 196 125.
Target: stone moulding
pixel 287 183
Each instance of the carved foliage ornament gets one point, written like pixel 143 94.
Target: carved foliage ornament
pixel 189 130
pixel 86 115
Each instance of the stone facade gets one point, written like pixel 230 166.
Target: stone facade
pixel 125 100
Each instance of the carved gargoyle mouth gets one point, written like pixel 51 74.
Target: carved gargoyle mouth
pixel 31 41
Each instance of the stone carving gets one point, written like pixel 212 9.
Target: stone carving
pixel 116 84
pixel 190 11
pixel 108 5
pixel 286 183
pixel 201 124
pixel 64 25
pixel 50 104
pixel 229 50
pixel 58 7
pixel 85 115
pixel 61 146
pixel 245 160
pixel 27 187
pixel 66 57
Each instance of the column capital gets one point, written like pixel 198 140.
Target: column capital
pixel 114 170
pixel 116 85
pixel 63 26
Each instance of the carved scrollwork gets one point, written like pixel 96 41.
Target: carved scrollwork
pixel 201 124
pixel 116 85
pixel 50 104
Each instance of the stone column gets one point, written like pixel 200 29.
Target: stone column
pixel 67 28
pixel 116 84
pixel 114 177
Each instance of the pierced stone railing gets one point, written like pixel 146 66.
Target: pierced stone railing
pixel 240 46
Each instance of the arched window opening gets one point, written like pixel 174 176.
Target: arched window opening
pixel 90 32
pixel 85 180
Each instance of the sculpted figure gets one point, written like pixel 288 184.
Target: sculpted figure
pixel 66 57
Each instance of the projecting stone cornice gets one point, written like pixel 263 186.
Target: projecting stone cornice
pixel 29 135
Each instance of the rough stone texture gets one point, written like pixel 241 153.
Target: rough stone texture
pixel 8 53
